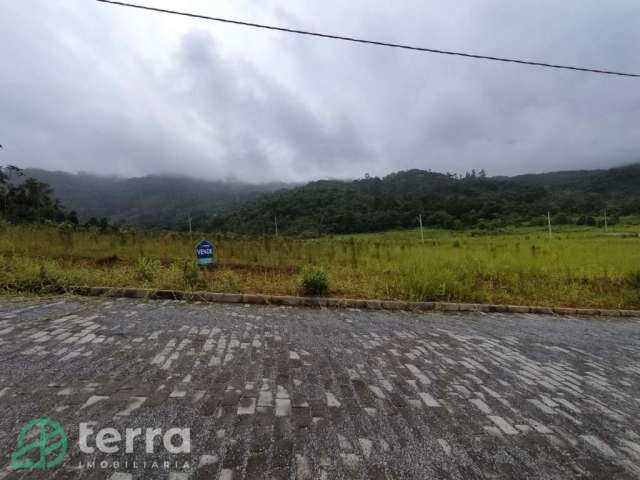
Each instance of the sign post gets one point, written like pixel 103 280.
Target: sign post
pixel 204 253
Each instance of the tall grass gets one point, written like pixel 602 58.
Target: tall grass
pixel 577 267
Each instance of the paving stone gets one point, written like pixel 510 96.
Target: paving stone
pixel 286 392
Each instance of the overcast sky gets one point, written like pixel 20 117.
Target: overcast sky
pixel 86 86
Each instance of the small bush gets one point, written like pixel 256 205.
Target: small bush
pixel 315 281
pixel 147 269
pixel 191 275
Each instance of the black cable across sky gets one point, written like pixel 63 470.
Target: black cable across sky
pixel 371 42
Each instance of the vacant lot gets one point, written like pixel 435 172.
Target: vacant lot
pixel 577 267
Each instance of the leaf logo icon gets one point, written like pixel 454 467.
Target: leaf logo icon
pixel 43 439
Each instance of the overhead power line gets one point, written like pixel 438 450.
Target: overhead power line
pixel 370 42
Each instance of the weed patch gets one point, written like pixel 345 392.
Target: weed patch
pixel 314 281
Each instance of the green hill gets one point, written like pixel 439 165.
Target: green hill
pixel 364 205
pixel 443 200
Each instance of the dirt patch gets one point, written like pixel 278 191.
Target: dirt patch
pixel 107 261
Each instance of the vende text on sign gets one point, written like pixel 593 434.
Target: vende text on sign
pixel 204 253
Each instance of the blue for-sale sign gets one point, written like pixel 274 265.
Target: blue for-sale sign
pixel 204 253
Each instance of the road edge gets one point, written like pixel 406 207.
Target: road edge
pixel 332 302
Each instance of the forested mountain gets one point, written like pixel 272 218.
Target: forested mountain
pixel 150 202
pixel 333 206
pixel 443 200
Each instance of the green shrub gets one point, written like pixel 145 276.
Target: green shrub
pixel 315 281
pixel 147 269
pixel 191 275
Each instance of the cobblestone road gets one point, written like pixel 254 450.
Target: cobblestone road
pixel 277 392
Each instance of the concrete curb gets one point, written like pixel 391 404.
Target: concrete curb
pixel 293 301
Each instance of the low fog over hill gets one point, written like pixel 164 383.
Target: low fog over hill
pixel 338 206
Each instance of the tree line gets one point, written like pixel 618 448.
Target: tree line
pixel 369 204
pixel 444 200
pixel 26 200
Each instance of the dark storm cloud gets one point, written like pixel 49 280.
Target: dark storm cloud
pixel 256 116
pixel 96 88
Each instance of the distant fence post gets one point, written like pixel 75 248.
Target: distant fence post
pixel 549 223
pixel 421 231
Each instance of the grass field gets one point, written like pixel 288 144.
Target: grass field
pixel 577 267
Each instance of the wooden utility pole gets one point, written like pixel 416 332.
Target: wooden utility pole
pixel 189 219
pixel 275 222
pixel 421 230
pixel 606 225
pixel 549 223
